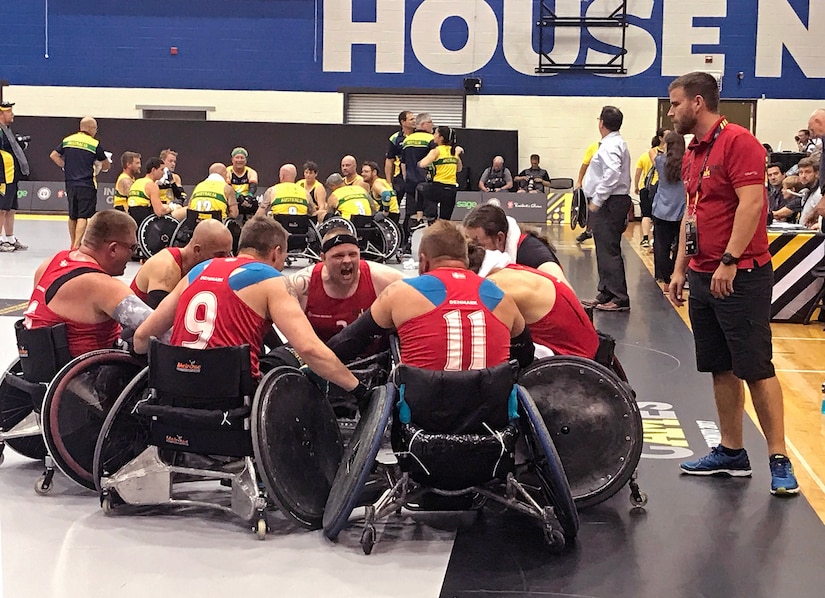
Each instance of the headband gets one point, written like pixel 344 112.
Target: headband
pixel 241 151
pixel 337 240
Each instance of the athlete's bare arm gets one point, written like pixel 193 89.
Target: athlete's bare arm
pixel 288 316
pixel 382 276
pixel 389 167
pixel 321 197
pixel 124 185
pixel 231 201
pixel 161 320
pixel 153 191
pixel 297 285
pixel 266 203
pixel 310 204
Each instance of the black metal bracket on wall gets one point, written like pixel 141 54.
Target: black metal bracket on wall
pixel 548 20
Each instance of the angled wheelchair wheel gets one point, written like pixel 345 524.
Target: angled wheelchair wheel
pixel 594 421
pixel 155 233
pixel 583 209
pixel 235 229
pixel 548 467
pixel 574 208
pixel 390 236
pixel 76 405
pixel 359 457
pixel 297 444
pixel 335 222
pixel 313 249
pixel 124 434
pixel 182 235
pixel 15 406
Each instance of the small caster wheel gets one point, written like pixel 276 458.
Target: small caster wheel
pixel 2 458
pixel 368 539
pixel 106 505
pixel 42 486
pixel 260 529
pixel 638 499
pixel 554 539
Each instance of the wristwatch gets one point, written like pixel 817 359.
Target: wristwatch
pixel 728 259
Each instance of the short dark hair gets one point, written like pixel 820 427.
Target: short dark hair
pixel 475 256
pixel 442 239
pixel 809 163
pixel 698 83
pixel 402 116
pixel 108 225
pixel 262 235
pixel 611 118
pixel 489 218
pixel 776 165
pixel 371 165
pixel 536 156
pixel 311 166
pixel 151 164
pixel 127 157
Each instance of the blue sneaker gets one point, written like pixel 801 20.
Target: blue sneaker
pixel 717 462
pixel 783 481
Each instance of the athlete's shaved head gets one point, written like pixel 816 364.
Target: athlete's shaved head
pixel 218 168
pixel 210 239
pixel 88 125
pixel 288 173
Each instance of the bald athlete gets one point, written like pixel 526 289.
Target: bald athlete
pixel 212 194
pixel 349 170
pixel 347 200
pixel 287 196
pixel 163 271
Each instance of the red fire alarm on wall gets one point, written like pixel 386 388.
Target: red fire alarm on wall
pixel 173 50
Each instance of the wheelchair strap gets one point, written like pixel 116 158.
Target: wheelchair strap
pixel 60 281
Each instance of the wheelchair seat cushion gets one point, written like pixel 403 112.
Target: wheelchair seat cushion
pixel 455 461
pixel 208 432
pixel 468 402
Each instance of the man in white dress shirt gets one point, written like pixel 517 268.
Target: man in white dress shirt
pixel 607 185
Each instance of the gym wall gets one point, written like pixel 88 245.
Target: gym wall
pixel 286 60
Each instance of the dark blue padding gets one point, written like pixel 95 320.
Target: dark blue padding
pixel 429 286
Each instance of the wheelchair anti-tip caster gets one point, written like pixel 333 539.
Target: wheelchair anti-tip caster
pixel 43 485
pixel 2 456
pixel 106 505
pixel 554 539
pixel 637 497
pixel 260 529
pixel 368 538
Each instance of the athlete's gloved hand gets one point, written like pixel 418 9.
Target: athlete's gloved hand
pixel 362 395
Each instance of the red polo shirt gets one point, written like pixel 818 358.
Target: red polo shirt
pixel 737 159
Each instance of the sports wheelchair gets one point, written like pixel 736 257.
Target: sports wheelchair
pixel 186 228
pixel 591 413
pixel 42 352
pixel 304 241
pixel 455 435
pixel 379 238
pixel 154 233
pixel 184 420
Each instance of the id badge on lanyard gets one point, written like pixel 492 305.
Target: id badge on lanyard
pixel 691 228
pixel 691 235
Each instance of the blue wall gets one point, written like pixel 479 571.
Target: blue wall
pixel 280 45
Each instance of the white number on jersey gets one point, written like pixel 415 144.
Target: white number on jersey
pixel 455 340
pixel 203 326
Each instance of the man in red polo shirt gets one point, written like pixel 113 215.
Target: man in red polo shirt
pixel 724 251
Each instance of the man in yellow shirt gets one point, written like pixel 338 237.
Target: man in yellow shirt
pixel 348 200
pixel 212 194
pixel 145 192
pixel 130 161
pixel 588 155
pixel 381 190
pixel 287 196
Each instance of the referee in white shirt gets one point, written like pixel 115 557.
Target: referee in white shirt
pixel 607 186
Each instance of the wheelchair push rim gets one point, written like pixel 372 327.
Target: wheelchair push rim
pixel 76 405
pixel 156 233
pixel 596 428
pixel 124 434
pixel 15 405
pixel 359 457
pixel 297 444
pixel 548 467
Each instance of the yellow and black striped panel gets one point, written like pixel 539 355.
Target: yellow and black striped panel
pixel 558 207
pixel 793 255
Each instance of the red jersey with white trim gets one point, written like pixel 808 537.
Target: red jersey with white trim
pixel 210 313
pixel 329 315
pixel 143 296
pixel 565 329
pixel 460 332
pixel 82 337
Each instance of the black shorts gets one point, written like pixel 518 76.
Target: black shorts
pixel 645 203
pixel 8 199
pixel 734 333
pixel 82 202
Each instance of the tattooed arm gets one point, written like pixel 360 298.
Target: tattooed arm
pixel 298 285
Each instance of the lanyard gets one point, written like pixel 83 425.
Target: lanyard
pixel 716 134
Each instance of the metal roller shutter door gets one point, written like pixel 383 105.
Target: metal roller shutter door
pixel 383 109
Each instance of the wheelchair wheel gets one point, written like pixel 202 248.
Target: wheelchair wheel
pixel 583 210
pixel 76 404
pixel 594 422
pixel 548 467
pixel 391 237
pixel 182 235
pixel 235 230
pixel 335 222
pixel 124 434
pixel 155 233
pixel 313 250
pixel 16 405
pixel 359 457
pixel 574 209
pixel 297 444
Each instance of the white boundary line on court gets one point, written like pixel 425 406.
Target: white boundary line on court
pixel 799 371
pixel 798 456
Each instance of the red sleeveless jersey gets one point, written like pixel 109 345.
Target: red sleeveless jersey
pixel 565 329
pixel 210 313
pixel 175 251
pixel 460 332
pixel 82 337
pixel 328 315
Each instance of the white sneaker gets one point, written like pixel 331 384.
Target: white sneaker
pixel 6 247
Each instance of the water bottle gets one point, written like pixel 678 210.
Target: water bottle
pixel 822 408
